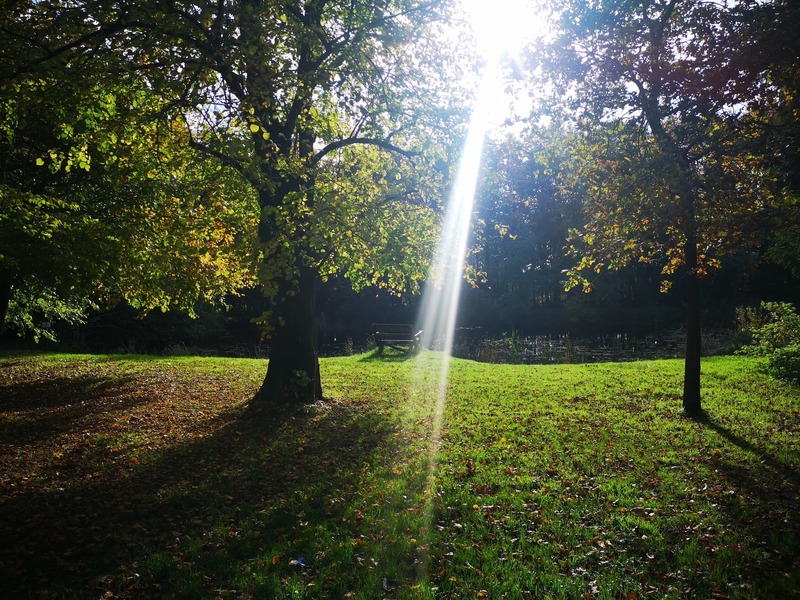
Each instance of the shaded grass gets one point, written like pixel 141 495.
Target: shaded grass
pixel 150 477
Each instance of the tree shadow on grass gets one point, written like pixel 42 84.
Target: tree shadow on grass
pixel 764 500
pixel 47 408
pixel 389 355
pixel 772 465
pixel 191 519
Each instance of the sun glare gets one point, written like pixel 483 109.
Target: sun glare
pixel 502 29
pixel 502 26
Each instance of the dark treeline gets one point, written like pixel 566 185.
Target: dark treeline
pixel 515 295
pixel 507 303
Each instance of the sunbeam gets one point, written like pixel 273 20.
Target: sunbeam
pixel 500 29
pixel 440 303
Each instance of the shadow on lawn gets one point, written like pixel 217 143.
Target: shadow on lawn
pixel 389 355
pixel 765 501
pixel 193 513
pixel 53 405
pixel 770 463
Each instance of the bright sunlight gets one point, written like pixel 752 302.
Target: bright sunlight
pixel 501 28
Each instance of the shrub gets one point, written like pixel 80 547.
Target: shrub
pixel 774 325
pixel 784 363
pixel 775 334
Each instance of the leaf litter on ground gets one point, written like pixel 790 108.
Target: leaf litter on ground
pixel 136 477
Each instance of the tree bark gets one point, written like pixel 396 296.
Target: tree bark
pixel 293 369
pixel 692 406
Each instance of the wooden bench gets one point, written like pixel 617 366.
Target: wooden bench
pixel 397 335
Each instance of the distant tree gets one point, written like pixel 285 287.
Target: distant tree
pixel 669 176
pixel 772 61
pixel 333 99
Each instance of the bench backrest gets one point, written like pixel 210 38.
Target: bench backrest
pixel 394 329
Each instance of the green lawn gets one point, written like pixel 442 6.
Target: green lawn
pixel 140 477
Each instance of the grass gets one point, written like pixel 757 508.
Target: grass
pixel 142 477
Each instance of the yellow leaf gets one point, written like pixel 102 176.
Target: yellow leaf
pixel 254 128
pixel 39 162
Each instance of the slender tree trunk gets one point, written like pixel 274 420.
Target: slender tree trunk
pixel 293 370
pixel 5 293
pixel 691 375
pixel 686 186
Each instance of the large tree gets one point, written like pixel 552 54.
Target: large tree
pixel 333 98
pixel 658 89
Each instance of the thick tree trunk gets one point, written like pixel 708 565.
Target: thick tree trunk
pixel 691 374
pixel 293 370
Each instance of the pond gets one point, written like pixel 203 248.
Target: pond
pixel 550 349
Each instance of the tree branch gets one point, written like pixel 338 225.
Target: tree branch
pixel 383 144
pixel 49 54
pixel 221 156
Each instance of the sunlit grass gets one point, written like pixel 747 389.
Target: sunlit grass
pixel 147 477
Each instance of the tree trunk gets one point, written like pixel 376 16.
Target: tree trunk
pixel 5 293
pixel 691 374
pixel 293 370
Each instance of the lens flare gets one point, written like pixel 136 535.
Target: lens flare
pixel 440 303
pixel 500 29
pixel 439 308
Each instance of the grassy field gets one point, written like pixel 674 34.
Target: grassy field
pixel 139 477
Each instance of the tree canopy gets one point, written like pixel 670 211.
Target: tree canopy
pixel 102 203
